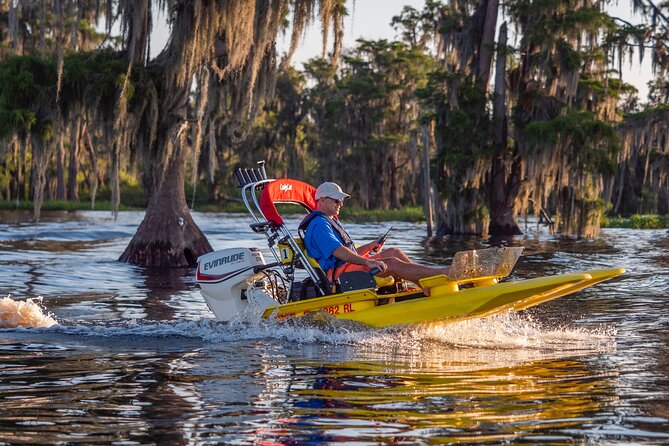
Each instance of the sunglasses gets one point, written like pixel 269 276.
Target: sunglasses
pixel 341 202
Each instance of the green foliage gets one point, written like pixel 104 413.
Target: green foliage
pixel 26 80
pixel 637 221
pixel 47 129
pixel 364 118
pixel 454 21
pixel 15 119
pixel 465 132
pixel 409 214
pixel 611 87
pixel 27 91
pixel 28 88
pixel 591 18
pixel 320 70
pixel 96 78
pixel 417 28
pixel 101 72
pixel 63 205
pixel 647 112
pixel 591 142
pixel 130 87
pixel 557 18
pixel 570 58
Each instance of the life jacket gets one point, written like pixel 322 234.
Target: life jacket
pixel 335 225
pixel 331 275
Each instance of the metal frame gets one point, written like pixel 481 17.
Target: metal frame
pixel 251 185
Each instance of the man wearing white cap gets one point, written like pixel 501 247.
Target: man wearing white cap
pixel 327 242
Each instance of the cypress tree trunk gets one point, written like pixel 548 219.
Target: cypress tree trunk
pixel 396 182
pixel 22 169
pixel 73 170
pixel 168 236
pixel 504 183
pixel 578 215
pixel 93 176
pixel 487 41
pixel 60 155
pixel 503 189
pixel 427 182
pixel 464 213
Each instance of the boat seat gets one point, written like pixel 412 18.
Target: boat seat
pixel 286 256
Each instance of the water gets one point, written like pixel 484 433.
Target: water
pixel 135 356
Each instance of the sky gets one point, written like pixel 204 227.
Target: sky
pixel 370 19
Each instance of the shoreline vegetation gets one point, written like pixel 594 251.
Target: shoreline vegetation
pixel 413 214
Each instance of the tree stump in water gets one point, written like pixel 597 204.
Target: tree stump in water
pixel 168 236
pixel 172 240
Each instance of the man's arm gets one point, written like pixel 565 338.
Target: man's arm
pixel 364 249
pixel 347 255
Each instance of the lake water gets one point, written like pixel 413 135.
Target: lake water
pixel 136 357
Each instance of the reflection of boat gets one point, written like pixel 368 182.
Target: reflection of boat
pixel 237 279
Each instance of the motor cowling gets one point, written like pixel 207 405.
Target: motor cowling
pixel 225 275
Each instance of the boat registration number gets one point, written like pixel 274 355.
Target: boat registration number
pixel 334 310
pixel 339 309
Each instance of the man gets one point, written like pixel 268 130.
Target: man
pixel 327 242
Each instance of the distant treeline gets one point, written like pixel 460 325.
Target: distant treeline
pixel 449 116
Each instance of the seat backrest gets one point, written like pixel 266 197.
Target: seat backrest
pixel 286 190
pixel 286 253
pixel 287 257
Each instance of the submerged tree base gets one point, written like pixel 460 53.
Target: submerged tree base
pixel 166 242
pixel 504 229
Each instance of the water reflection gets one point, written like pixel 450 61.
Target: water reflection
pixel 501 398
pixel 161 285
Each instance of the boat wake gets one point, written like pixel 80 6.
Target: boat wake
pixel 512 330
pixel 512 336
pixel 27 314
pixel 501 340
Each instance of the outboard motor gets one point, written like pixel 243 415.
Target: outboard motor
pixel 230 280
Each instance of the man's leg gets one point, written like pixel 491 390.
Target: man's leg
pixel 411 271
pixel 393 252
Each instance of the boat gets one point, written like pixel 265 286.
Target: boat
pixel 237 281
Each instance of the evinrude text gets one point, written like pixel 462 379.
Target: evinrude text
pixel 232 258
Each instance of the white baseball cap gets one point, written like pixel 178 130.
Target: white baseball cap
pixel 331 190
